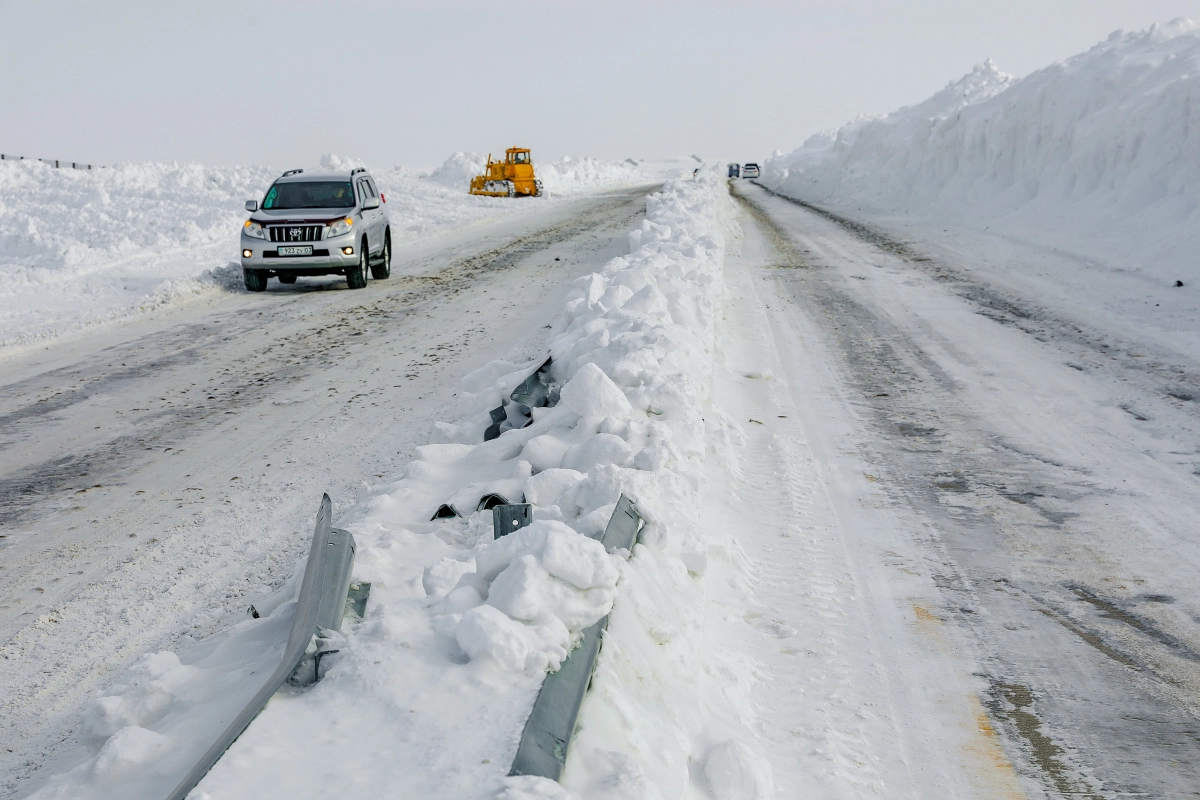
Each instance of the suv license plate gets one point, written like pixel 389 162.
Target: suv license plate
pixel 296 251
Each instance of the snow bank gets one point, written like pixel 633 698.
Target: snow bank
pixel 458 169
pixel 571 175
pixel 79 248
pixel 1099 154
pixel 568 175
pixel 432 689
pixel 82 245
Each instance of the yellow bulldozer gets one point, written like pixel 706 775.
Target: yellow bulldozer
pixel 508 178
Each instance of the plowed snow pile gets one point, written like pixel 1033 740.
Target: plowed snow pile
pixel 429 694
pixel 1099 154
pixel 81 247
pixel 566 176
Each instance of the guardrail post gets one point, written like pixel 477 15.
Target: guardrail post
pixel 510 517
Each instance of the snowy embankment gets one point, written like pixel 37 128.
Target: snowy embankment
pixel 1098 155
pixel 82 247
pixel 431 691
pixel 568 175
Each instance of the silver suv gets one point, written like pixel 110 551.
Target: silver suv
pixel 317 223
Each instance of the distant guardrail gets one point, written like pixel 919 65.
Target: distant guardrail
pixel 51 161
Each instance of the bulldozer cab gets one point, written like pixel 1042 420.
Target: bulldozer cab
pixel 517 156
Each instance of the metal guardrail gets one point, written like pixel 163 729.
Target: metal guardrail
pixel 547 735
pixel 327 595
pixel 320 607
pixel 52 161
pixel 536 391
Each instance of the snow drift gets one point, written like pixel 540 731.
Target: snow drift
pixel 565 176
pixel 1099 154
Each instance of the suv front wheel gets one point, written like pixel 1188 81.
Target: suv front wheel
pixel 256 279
pixel 356 277
pixel 384 268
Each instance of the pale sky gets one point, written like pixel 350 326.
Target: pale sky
pixel 279 83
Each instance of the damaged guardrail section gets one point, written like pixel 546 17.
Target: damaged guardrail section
pixel 504 607
pixel 320 608
pixel 547 735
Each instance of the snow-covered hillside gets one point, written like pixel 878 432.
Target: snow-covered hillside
pixel 1099 154
pixel 79 248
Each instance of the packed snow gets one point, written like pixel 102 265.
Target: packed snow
pixel 84 247
pixel 461 629
pixel 1098 155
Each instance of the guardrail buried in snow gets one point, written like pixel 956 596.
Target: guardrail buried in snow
pixel 326 595
pixel 536 391
pixel 547 734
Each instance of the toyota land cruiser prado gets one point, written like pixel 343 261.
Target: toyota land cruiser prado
pixel 317 223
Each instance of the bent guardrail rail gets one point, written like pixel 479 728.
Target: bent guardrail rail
pixel 320 606
pixel 536 391
pixel 547 735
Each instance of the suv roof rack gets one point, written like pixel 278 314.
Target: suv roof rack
pixel 357 170
pixel 292 172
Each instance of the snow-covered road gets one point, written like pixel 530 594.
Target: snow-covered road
pixel 158 477
pixel 985 583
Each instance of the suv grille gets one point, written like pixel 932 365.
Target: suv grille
pixel 295 233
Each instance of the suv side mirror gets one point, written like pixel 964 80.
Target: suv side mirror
pixel 252 205
pixel 370 202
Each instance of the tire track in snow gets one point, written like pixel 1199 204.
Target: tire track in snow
pixel 1090 704
pixel 828 666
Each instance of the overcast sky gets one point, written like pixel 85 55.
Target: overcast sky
pixel 280 83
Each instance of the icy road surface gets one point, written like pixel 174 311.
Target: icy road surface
pixel 156 478
pixel 980 578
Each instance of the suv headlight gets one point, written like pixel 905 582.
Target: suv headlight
pixel 254 229
pixel 339 228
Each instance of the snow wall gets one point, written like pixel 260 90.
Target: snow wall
pixel 1099 154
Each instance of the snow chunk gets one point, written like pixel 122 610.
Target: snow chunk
pixel 591 393
pixel 150 688
pixel 544 452
pixel 128 752
pixel 547 582
pixel 545 488
pixel 487 632
pixel 603 448
pixel 578 560
pixel 441 576
pixel 735 772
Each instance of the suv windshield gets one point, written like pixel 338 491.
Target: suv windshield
pixel 310 194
